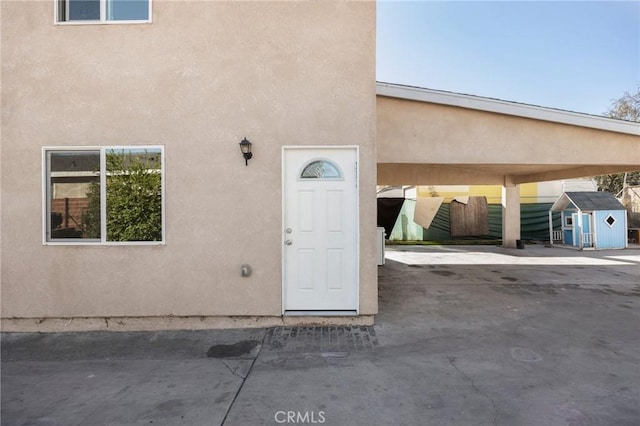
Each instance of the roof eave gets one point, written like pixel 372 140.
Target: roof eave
pixel 562 203
pixel 508 108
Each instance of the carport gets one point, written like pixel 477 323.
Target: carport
pixel 430 137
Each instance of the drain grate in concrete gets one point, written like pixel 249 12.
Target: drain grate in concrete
pixel 321 339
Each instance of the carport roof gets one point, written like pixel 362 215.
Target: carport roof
pixel 441 97
pixel 588 201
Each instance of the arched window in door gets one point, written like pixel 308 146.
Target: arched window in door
pixel 321 169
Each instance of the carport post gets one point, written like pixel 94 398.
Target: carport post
pixel 510 214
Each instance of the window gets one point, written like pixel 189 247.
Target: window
pixel 568 221
pixel 610 220
pixel 103 11
pixel 104 195
pixel 320 169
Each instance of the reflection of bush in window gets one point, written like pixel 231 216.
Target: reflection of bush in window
pixel 91 217
pixel 134 198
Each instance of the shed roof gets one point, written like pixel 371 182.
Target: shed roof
pixel 588 201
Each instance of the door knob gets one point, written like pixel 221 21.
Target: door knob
pixel 288 242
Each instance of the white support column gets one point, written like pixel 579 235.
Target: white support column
pixel 550 227
pixel 510 213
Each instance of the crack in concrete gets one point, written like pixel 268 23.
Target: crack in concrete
pixel 611 394
pixel 117 395
pixel 452 362
pixel 231 369
pixel 244 379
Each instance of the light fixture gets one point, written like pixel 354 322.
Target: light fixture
pixel 245 147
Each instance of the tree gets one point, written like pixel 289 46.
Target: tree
pixel 625 108
pixel 614 183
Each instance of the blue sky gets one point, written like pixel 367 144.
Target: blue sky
pixel 571 55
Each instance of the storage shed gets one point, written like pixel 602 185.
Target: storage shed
pixel 591 219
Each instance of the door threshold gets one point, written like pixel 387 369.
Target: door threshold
pixel 321 313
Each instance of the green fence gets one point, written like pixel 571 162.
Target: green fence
pixel 534 219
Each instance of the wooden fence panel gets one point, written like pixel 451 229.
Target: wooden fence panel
pixel 471 219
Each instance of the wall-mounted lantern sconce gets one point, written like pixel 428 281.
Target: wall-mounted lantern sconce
pixel 245 147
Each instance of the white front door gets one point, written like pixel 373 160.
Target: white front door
pixel 320 229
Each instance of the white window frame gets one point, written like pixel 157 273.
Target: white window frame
pixel 568 221
pixel 46 189
pixel 103 16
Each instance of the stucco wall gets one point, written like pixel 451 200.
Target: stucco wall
pixel 197 80
pixel 426 143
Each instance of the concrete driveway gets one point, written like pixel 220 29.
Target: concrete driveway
pixel 465 336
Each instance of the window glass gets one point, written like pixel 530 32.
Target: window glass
pixel 127 10
pixel 134 195
pixel 102 10
pixel 104 195
pixel 74 195
pixel 84 10
pixel 320 169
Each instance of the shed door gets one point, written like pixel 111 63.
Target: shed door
pixel 320 235
pixel 582 235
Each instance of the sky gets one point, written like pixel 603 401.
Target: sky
pixel 572 55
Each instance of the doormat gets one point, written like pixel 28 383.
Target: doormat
pixel 321 339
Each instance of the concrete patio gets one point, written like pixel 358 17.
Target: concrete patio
pixel 466 335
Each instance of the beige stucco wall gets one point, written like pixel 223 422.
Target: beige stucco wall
pixel 197 80
pixel 426 143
